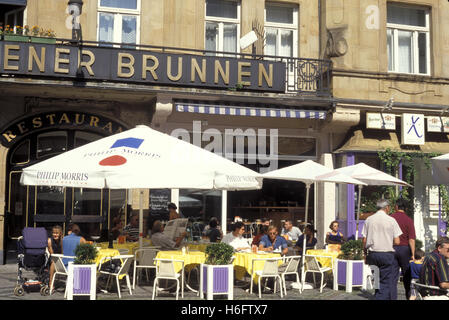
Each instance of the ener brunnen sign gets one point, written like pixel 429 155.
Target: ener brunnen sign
pixel 140 66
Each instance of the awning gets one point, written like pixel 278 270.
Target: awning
pixel 375 141
pixel 14 2
pixel 251 112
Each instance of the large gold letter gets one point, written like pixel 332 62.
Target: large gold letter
pixel 219 69
pixel 201 72
pixel 8 57
pixel 32 55
pixel 146 68
pixel 87 64
pixel 58 60
pixel 129 65
pixel 242 74
pixel 8 135
pixel 263 71
pixel 169 75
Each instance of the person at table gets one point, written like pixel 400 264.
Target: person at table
pixel 70 242
pixel 117 227
pixel 207 228
pixel 272 241
pixel 172 213
pixel 214 234
pixel 334 236
pixel 309 232
pixel 159 239
pixel 263 229
pixel 291 231
pixel 235 237
pixel 132 229
pixel 55 246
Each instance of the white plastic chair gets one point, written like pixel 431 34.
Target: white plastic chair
pixel 270 270
pixel 165 269
pixel 420 286
pixel 126 261
pixel 144 260
pixel 291 268
pixel 373 277
pixel 123 251
pixel 59 269
pixel 313 266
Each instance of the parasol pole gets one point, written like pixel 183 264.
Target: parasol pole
pixel 358 212
pixel 304 233
pixel 140 219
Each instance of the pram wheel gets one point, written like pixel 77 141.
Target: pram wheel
pixel 18 291
pixel 45 291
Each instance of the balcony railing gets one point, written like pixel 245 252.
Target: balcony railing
pixel 302 76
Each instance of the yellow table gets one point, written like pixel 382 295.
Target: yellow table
pixel 197 246
pixel 190 259
pixel 107 253
pixel 130 246
pixel 328 257
pixel 243 262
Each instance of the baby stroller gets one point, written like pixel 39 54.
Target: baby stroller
pixel 33 256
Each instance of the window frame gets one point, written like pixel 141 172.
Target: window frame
pixel 221 21
pixel 118 13
pixel 395 28
pixel 284 26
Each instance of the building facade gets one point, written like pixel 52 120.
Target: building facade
pixel 301 90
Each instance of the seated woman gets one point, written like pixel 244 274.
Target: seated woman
pixel 334 236
pixel 311 241
pixel 55 247
pixel 117 228
pixel 273 241
pixel 70 242
pixel 263 229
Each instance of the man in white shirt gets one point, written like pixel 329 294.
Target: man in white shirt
pixel 235 238
pixel 380 232
pixel 293 232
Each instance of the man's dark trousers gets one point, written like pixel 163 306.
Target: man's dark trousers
pixel 402 257
pixel 385 262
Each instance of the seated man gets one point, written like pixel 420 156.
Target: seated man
pixel 291 231
pixel 132 229
pixel 435 271
pixel 161 240
pixel 272 241
pixel 235 238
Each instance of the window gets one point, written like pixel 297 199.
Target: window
pixel 408 39
pixel 222 25
pixel 281 30
pixel 119 21
pixel 51 143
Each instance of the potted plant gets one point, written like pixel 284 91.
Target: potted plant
pixel 14 34
pixel 43 36
pixel 350 269
pixel 217 273
pixel 82 275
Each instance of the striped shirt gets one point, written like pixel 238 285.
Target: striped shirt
pixel 434 271
pixel 132 231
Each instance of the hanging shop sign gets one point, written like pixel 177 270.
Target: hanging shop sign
pixel 437 124
pixel 140 66
pixel 413 129
pixel 385 121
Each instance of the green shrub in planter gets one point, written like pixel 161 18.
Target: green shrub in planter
pixel 85 253
pixel 219 254
pixel 352 250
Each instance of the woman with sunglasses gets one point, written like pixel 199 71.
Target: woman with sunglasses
pixel 273 241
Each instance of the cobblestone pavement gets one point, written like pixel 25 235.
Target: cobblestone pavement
pixel 8 276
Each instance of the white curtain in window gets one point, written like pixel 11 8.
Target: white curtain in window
pixel 286 43
pixel 129 29
pixel 390 49
pixel 270 42
pixel 212 36
pixel 122 4
pixel 405 51
pixel 106 27
pixel 230 37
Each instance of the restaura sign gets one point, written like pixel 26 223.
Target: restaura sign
pixel 413 129
pixel 140 66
